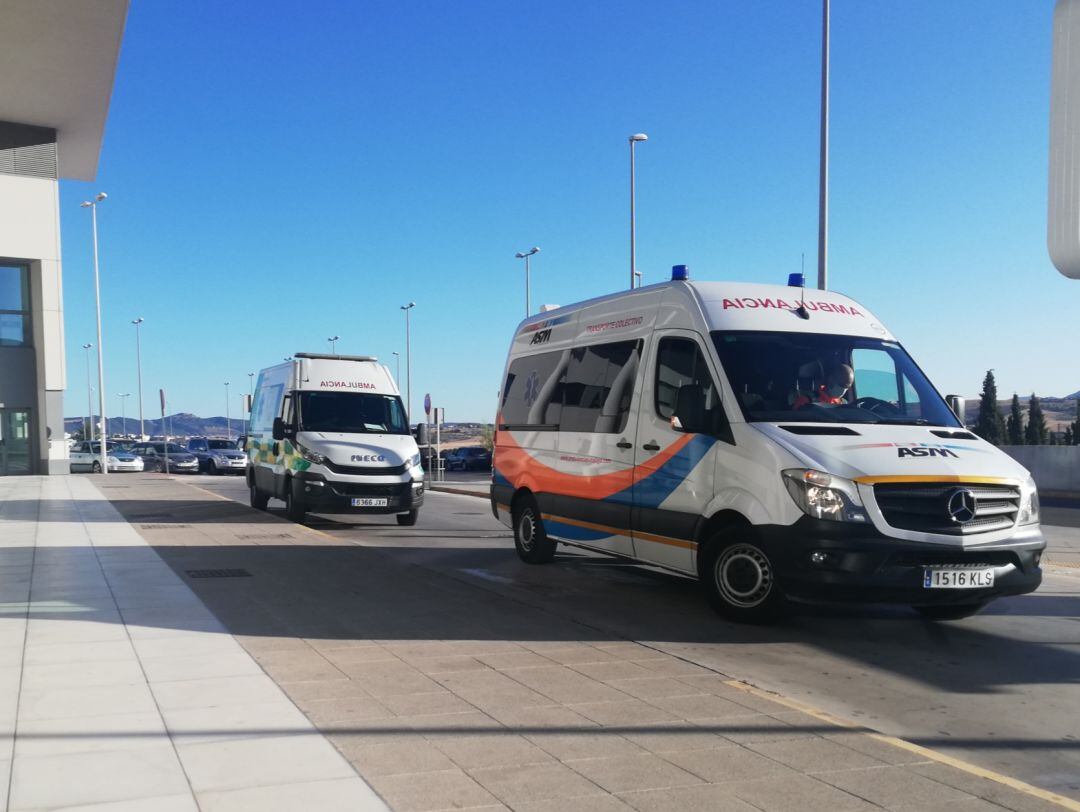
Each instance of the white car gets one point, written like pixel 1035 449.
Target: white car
pixel 86 456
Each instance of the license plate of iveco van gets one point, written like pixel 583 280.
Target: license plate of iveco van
pixel 368 502
pixel 958 578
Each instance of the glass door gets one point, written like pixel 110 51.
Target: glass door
pixel 14 442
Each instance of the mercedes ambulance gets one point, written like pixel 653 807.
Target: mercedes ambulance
pixel 329 433
pixel 777 443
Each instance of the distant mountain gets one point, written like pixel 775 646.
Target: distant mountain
pixel 1074 396
pixel 182 424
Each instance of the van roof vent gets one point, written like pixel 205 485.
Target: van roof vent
pixel 334 357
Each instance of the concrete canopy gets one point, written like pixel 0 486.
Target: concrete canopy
pixel 58 59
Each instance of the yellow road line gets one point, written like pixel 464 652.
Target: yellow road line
pixel 911 747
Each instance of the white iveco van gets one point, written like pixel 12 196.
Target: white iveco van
pixel 775 442
pixel 329 433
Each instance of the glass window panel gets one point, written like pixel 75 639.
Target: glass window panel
pixel 14 288
pixel 681 362
pixel 599 387
pixel 12 330
pixel 532 395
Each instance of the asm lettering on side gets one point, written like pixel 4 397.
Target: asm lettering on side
pixel 541 337
pixel 925 451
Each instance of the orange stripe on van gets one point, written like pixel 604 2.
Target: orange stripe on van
pixel 973 480
pixel 638 536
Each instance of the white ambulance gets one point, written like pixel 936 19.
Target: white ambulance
pixel 329 433
pixel 773 441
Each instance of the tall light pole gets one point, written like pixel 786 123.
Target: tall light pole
pixel 251 383
pixel 123 410
pixel 138 365
pixel 228 425
pixel 823 160
pixel 397 375
pixel 634 139
pixel 408 363
pixel 333 344
pixel 525 256
pixel 92 205
pixel 89 394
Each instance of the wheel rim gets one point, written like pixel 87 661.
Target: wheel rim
pixel 96 468
pixel 527 529
pixel 744 576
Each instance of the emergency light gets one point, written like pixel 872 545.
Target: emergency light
pixel 680 273
pixel 796 280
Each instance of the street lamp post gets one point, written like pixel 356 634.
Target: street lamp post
pixel 138 365
pixel 123 410
pixel 525 256
pixel 333 344
pixel 408 362
pixel 823 160
pixel 228 425
pixel 634 139
pixel 92 205
pixel 89 395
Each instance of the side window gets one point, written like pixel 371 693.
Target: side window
pixel 532 394
pixel 875 375
pixel 288 416
pixel 679 363
pixel 911 399
pixel 599 387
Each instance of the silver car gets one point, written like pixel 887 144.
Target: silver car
pixel 218 456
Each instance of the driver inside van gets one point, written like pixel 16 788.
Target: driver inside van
pixel 831 393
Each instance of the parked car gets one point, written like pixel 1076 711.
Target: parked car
pixel 470 458
pixel 217 456
pixel 86 456
pixel 153 455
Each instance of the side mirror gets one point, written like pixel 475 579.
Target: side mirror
pixel 247 403
pixel 956 403
pixel 422 434
pixel 278 431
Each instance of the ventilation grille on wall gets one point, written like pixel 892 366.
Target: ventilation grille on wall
pixel 28 151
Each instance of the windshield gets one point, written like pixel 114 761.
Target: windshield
pixel 351 413
pixel 816 378
pixel 108 447
pixel 173 448
pixel 216 445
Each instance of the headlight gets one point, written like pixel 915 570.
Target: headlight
pixel 1029 503
pixel 824 496
pixel 310 455
pixel 414 460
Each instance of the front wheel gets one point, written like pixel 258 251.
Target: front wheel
pixel 951 612
pixel 259 500
pixel 95 468
pixel 408 519
pixel 295 510
pixel 740 582
pixel 530 539
pixel 211 468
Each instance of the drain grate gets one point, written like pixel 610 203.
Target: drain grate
pixel 223 573
pixel 163 526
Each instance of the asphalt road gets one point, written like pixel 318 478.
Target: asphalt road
pixel 1001 689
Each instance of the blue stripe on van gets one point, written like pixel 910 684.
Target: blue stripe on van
pixel 651 491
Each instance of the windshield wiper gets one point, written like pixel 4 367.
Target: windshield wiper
pixel 904 421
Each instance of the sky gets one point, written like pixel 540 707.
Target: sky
pixel 279 173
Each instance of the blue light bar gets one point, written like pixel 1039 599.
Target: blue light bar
pixel 680 273
pixel 796 280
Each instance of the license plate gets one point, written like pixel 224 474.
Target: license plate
pixel 958 578
pixel 365 502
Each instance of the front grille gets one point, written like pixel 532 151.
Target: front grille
pixel 925 508
pixel 957 558
pixel 399 489
pixel 367 470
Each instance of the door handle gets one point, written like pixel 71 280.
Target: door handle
pixel 624 444
pixel 651 447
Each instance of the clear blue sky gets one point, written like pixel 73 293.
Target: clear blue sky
pixel 279 173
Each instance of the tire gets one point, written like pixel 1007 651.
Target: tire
pixel 530 539
pixel 295 510
pixel 259 500
pixel 951 611
pixel 95 468
pixel 408 519
pixel 212 469
pixel 740 581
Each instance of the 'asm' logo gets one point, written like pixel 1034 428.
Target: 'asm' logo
pixel 922 451
pixel 541 337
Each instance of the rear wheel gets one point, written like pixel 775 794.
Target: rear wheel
pixel 951 612
pixel 740 581
pixel 408 519
pixel 295 510
pixel 259 500
pixel 211 468
pixel 530 539
pixel 95 468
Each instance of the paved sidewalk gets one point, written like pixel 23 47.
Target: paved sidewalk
pixel 119 690
pixel 443 694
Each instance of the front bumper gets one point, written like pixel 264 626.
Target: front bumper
pixel 237 466
pixel 182 467
pixel 126 467
pixel 861 564
pixel 335 496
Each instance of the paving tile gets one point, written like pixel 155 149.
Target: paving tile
pixel 419 792
pixel 729 763
pixel 243 763
pixel 313 690
pixel 478 750
pixel 214 692
pixel 512 659
pixel 98 700
pixel 426 704
pixel 563 684
pixel 75 674
pixel 47 737
pixel 298 666
pixel 49 653
pixel 982 787
pixel 757 727
pixel 611 671
pixel 649 688
pixel 488 689
pixel 585 803
pixel 341 795
pixel 892 786
pixel 235 663
pixel 344 710
pixel 236 721
pixel 814 755
pixel 634 772
pixel 533 782
pixel 396 757
pixel 343 658
pixel 796 793
pixel 673 667
pixel 627 712
pixel 701 798
pixel 875 748
pixel 66 779
pixel 668 738
pixel 159 803
pixel 577 654
pixel 449 724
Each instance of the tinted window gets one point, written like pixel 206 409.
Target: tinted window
pixel 219 444
pixel 14 306
pixel 351 413
pixel 197 445
pixel 265 408
pixel 599 387
pixel 680 362
pixel 532 395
